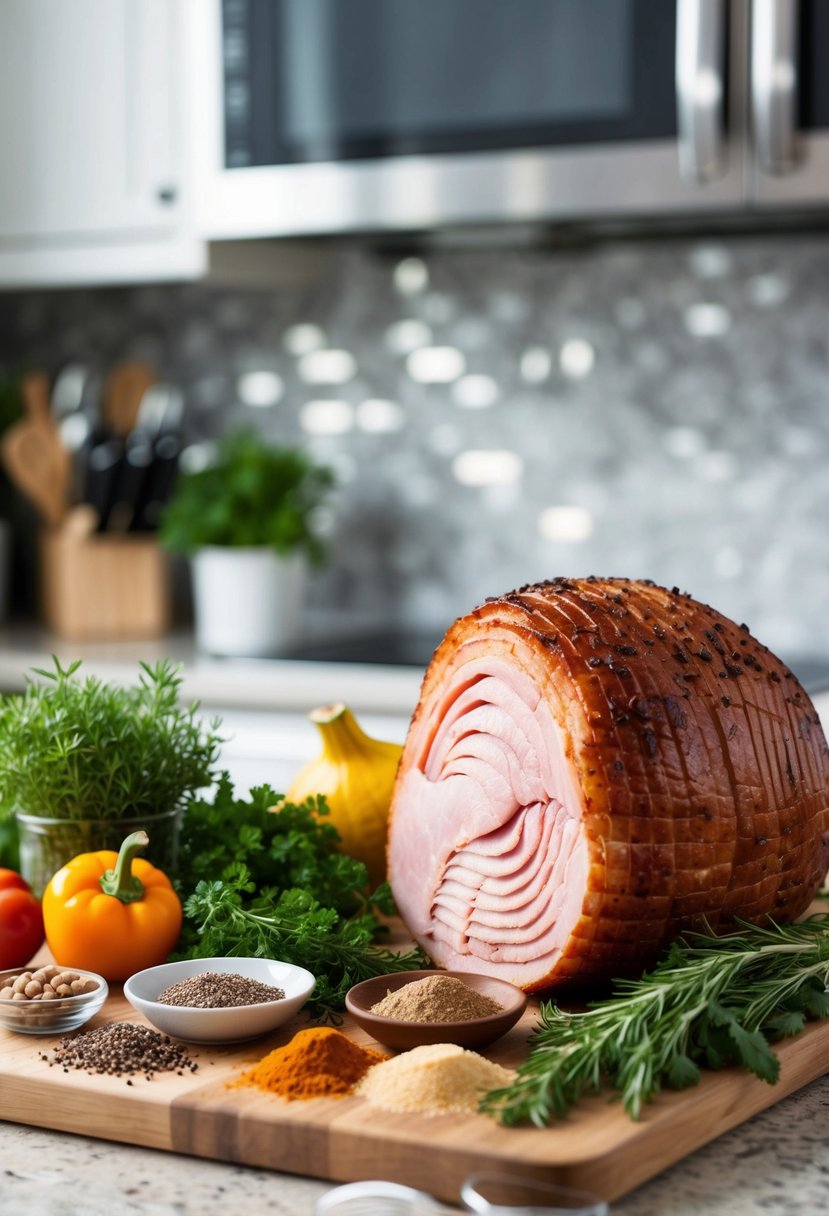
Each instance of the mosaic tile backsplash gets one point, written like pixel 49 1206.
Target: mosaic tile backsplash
pixel 496 417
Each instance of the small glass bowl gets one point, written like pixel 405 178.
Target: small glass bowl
pixel 59 1016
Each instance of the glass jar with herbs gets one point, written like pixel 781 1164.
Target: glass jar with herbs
pixel 84 762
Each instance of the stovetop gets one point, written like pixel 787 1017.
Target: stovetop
pixel 397 648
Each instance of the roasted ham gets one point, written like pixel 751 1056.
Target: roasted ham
pixel 595 765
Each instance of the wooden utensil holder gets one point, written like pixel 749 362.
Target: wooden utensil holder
pixel 103 587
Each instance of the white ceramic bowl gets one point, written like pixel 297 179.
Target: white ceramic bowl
pixel 230 1025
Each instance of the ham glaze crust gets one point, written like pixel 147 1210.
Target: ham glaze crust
pixel 595 765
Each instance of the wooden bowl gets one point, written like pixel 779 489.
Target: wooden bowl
pixel 400 1035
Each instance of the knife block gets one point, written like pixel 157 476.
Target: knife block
pixel 103 587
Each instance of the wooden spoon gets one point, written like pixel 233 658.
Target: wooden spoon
pixel 39 465
pixel 34 390
pixel 124 389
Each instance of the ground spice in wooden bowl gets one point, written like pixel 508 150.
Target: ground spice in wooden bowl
pixel 435 1079
pixel 318 1062
pixel 411 1008
pixel 437 998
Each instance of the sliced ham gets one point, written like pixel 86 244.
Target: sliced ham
pixel 594 766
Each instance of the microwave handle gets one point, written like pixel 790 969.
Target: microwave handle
pixel 774 83
pixel 700 88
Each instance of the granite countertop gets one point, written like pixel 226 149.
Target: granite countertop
pixel 776 1164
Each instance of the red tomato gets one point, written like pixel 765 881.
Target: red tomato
pixel 21 921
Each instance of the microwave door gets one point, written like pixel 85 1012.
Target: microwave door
pixel 384 114
pixel 790 102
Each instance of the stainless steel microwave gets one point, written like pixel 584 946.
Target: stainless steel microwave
pixel 326 116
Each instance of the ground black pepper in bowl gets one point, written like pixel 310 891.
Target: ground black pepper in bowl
pixel 219 990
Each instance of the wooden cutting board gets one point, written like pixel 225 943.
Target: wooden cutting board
pixel 598 1148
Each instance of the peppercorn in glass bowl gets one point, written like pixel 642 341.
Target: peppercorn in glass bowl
pixel 219 1000
pixel 415 1008
pixel 72 997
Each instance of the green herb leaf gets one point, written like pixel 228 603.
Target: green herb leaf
pixel 754 1053
pixel 713 1043
pixel 816 1002
pixel 681 1072
pixel 715 1015
pixel 786 1024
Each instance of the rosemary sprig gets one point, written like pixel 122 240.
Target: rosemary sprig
pixel 711 1001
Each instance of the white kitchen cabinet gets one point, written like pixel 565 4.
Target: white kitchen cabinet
pixel 95 181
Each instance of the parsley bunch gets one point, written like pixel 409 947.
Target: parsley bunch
pixel 293 847
pixel 712 1001
pixel 270 883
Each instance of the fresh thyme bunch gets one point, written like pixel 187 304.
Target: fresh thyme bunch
pixel 83 749
pixel 712 1001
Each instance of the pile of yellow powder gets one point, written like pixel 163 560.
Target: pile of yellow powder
pixel 434 1079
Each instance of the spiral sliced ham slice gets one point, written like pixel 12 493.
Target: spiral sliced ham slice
pixel 594 766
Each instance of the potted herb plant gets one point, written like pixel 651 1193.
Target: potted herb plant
pixel 247 523
pixel 83 763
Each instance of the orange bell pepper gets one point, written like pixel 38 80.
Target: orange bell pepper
pixel 111 912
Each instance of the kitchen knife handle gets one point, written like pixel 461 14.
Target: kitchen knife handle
pixel 159 483
pixel 128 483
pixel 700 88
pixel 101 468
pixel 774 83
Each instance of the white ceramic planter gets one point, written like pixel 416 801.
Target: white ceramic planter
pixel 246 601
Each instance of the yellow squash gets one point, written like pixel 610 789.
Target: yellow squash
pixel 356 774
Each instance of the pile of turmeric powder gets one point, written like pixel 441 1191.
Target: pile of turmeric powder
pixel 319 1062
